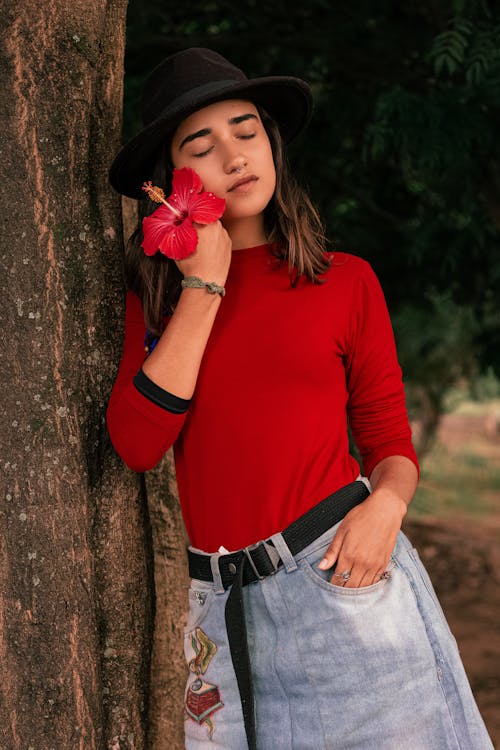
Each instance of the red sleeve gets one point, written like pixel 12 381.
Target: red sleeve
pixel 140 430
pixel 376 402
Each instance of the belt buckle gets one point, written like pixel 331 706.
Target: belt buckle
pixel 272 553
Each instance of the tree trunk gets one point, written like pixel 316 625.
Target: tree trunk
pixel 169 670
pixel 76 571
pixel 430 411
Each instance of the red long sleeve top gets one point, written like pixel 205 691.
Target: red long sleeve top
pixel 264 437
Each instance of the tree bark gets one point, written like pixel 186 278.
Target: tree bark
pixel 430 410
pixel 76 572
pixel 169 671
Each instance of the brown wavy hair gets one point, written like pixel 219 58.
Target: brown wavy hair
pixel 291 222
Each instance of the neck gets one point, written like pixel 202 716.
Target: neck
pixel 246 232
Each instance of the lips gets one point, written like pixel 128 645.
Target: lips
pixel 243 181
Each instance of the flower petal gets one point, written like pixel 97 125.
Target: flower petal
pixel 206 208
pixel 185 185
pixel 180 242
pixel 169 229
pixel 155 227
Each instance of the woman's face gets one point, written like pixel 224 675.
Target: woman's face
pixel 226 143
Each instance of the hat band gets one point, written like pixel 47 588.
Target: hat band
pixel 192 96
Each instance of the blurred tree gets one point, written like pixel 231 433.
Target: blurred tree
pixel 438 352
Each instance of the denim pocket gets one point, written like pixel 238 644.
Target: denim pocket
pixel 321 578
pixel 201 596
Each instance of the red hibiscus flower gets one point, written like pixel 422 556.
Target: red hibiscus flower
pixel 170 228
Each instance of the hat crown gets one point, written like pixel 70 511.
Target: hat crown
pixel 178 75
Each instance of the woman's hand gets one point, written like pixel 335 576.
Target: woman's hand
pixel 212 257
pixel 366 536
pixel 365 539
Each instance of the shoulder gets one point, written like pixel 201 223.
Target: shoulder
pixel 346 268
pixel 353 283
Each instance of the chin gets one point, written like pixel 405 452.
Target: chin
pixel 246 211
pixel 240 215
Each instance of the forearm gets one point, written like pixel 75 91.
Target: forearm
pixel 175 361
pixel 394 480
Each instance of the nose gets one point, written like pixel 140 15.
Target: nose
pixel 235 161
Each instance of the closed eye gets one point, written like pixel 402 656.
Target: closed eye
pixel 203 153
pixel 242 137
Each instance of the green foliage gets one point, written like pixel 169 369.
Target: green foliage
pixel 467 49
pixel 436 342
pixel 485 387
pixel 449 48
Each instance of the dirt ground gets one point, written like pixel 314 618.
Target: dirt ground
pixel 462 557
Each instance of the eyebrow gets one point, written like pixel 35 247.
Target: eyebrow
pixel 207 131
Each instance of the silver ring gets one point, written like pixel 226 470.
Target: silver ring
pixel 345 575
pixel 388 571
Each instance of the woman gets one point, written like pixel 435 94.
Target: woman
pixel 312 622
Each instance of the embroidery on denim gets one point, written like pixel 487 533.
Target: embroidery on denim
pixel 202 698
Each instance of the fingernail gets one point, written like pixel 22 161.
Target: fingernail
pixel 324 564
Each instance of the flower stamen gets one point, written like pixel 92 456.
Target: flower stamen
pixel 157 195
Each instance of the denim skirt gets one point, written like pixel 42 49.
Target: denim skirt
pixel 333 668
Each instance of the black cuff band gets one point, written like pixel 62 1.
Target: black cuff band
pixel 159 396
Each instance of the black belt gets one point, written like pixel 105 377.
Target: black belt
pixel 259 561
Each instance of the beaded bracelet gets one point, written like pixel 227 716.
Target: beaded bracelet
pixel 195 281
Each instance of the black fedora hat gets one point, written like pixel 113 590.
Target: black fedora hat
pixel 191 79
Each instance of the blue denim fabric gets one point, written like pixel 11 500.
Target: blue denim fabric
pixel 372 668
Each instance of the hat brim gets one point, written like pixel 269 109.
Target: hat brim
pixel 288 100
